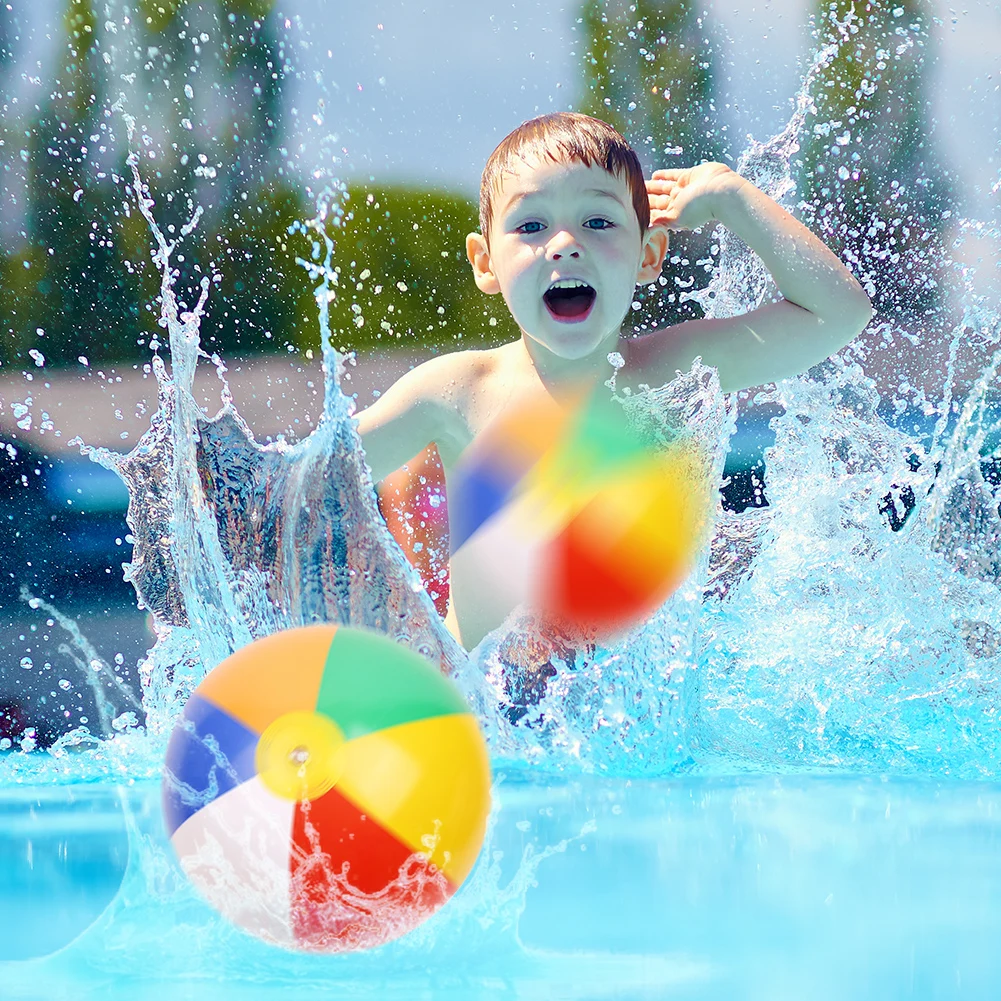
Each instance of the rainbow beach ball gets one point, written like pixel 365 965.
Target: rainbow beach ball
pixel 561 505
pixel 326 788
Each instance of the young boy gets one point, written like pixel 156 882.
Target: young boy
pixel 564 205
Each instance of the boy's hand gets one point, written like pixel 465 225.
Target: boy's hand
pixel 687 198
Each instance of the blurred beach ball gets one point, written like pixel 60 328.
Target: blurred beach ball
pixel 562 505
pixel 326 788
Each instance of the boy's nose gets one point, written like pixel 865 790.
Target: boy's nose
pixel 564 244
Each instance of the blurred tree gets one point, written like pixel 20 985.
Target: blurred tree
pixel 209 110
pixel 649 70
pixel 65 289
pixel 79 280
pixel 873 184
pixel 7 34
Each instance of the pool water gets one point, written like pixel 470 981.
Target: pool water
pixel 64 854
pixel 762 887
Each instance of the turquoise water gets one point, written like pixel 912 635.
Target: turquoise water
pixel 821 887
pixel 784 785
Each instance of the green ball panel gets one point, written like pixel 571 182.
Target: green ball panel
pixel 370 682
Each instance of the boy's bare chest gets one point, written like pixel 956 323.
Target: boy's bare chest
pixel 486 405
pixel 486 397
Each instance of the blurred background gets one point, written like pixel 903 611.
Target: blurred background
pixel 249 109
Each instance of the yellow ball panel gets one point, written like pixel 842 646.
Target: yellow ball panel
pixel 410 776
pixel 652 518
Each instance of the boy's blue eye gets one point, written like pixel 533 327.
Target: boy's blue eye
pixel 521 228
pixel 607 223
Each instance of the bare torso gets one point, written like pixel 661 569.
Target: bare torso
pixel 487 382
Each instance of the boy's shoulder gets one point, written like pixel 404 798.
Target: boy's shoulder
pixel 455 373
pixel 467 388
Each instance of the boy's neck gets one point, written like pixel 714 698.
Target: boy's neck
pixel 554 370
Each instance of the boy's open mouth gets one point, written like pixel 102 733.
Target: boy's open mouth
pixel 569 299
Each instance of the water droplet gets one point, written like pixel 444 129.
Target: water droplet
pixel 27 662
pixel 126 721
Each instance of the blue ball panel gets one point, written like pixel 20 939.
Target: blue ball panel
pixel 209 753
pixel 478 492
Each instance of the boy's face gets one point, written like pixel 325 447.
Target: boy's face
pixel 559 221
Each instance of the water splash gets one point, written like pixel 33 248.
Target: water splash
pixel 235 540
pixel 96 671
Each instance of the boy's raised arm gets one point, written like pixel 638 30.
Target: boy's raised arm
pixel 415 411
pixel 824 306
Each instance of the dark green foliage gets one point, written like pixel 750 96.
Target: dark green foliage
pixel 81 282
pixel 64 288
pixel 649 71
pixel 410 245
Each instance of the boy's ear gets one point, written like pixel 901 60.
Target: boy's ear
pixel 479 258
pixel 655 246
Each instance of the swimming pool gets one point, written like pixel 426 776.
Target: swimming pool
pixel 763 886
pixel 786 785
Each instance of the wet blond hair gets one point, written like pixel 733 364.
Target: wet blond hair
pixel 562 137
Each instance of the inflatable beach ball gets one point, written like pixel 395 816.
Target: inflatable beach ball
pixel 561 505
pixel 326 788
